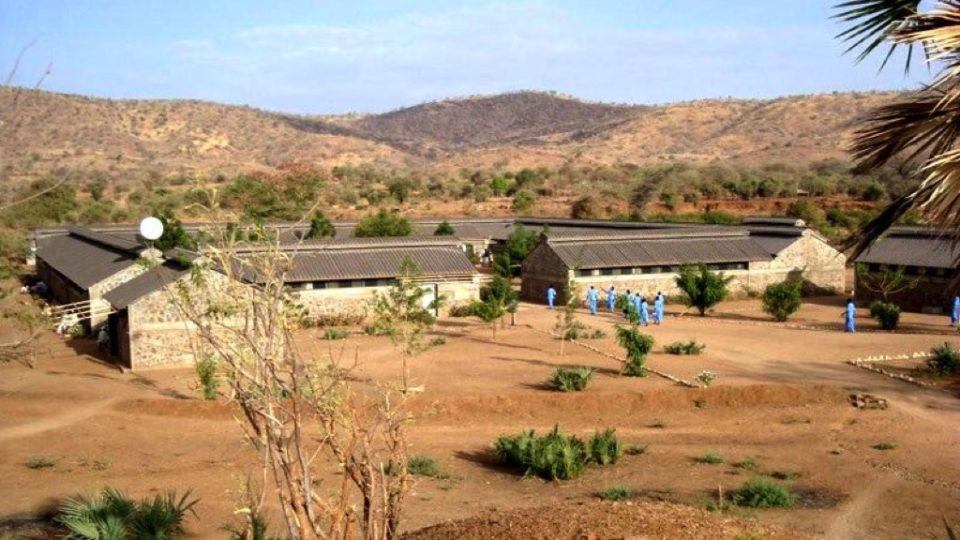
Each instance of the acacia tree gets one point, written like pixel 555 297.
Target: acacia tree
pixel 300 413
pixel 887 282
pixel 701 287
pixel 919 130
pixel 496 301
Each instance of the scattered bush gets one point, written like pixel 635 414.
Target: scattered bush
pixel 617 493
pixel 523 201
pixel 657 424
pixel 556 456
pixel 437 341
pixel 571 380
pixel 685 348
pixel 423 465
pixel 40 462
pixel 702 288
pixel 710 459
pixel 206 368
pixel 320 227
pixel 884 446
pixel 706 377
pixel 335 333
pixel 747 464
pixel 784 475
pixel 886 313
pixel 463 310
pixel 780 300
pixel 945 360
pixel 762 493
pixel 636 449
pixel 111 514
pixel 604 447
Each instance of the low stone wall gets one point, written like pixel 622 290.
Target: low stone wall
pixel 930 295
pixel 97 290
pixel 357 302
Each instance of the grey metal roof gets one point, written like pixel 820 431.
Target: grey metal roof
pixel 774 244
pixel 372 259
pixel 775 221
pixel 152 280
pixel 912 246
pixel 623 252
pixel 82 260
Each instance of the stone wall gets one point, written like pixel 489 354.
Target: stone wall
pixel 97 290
pixel 822 267
pixel 357 302
pixel 541 269
pixel 930 295
pixel 62 290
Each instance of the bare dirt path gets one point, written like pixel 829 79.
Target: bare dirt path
pixel 60 421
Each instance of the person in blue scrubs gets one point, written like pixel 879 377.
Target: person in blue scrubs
pixel 593 298
pixel 644 311
pixel 635 302
pixel 955 312
pixel 611 298
pixel 850 316
pixel 659 304
pixel 551 296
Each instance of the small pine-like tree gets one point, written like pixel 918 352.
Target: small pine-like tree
pixel 321 227
pixel 637 345
pixel 702 288
pixel 780 300
pixel 444 229
pixel 174 235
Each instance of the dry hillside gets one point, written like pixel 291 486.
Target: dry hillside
pixel 47 132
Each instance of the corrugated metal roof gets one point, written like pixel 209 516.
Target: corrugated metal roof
pixel 81 260
pixel 144 284
pixel 346 262
pixel 774 244
pixel 914 247
pixel 775 221
pixel 652 251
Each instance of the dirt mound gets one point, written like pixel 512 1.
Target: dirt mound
pixel 599 520
pixel 592 404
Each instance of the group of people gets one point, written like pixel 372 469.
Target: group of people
pixel 634 301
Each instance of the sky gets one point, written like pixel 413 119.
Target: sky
pixel 320 56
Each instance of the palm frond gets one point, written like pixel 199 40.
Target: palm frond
pixel 939 33
pixel 871 22
pixel 920 125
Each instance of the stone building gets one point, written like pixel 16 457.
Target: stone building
pixel 927 258
pixel 335 281
pixel 82 265
pixel 648 261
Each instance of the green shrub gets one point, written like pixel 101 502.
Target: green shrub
pixel 780 300
pixel 556 456
pixel 706 377
pixel 618 493
pixel 41 462
pixel 206 368
pixel 884 446
pixel 383 224
pixel 444 229
pixel 637 345
pixel 463 310
pixel 604 447
pixel 945 360
pixel 320 227
pixel 522 201
pixel 684 348
pixel 762 493
pixel 710 459
pixel 571 380
pixel 702 288
pixel 111 514
pixel 423 465
pixel 335 333
pixel 747 464
pixel 886 313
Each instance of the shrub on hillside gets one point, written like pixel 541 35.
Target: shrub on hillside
pixel 685 348
pixel 206 368
pixel 780 300
pixel 523 201
pixel 886 313
pixel 321 227
pixel 945 360
pixel 444 229
pixel 763 493
pixel 637 345
pixel 571 380
pixel 604 448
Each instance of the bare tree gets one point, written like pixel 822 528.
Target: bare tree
pixel 300 413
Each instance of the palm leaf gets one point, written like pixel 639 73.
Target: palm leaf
pixel 871 22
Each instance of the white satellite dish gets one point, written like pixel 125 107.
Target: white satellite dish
pixel 151 228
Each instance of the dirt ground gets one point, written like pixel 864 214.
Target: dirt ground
pixel 780 398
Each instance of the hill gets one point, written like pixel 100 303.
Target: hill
pixel 48 133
